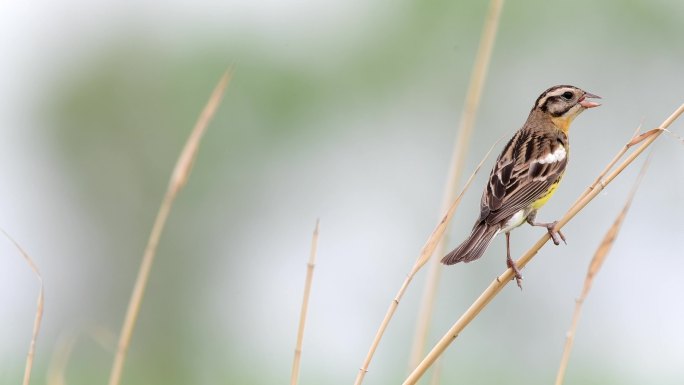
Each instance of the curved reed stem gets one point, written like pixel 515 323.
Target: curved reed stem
pixel 178 179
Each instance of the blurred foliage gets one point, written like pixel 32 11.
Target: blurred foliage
pixel 120 113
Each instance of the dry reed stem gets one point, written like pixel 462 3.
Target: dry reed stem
pixel 461 145
pixel 648 133
pixel 495 287
pixel 609 166
pixel 594 267
pixel 424 256
pixel 305 305
pixel 672 134
pixel 178 179
pixel 61 355
pixel 39 310
pixel 636 139
pixel 436 378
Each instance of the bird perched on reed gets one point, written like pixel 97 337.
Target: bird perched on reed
pixel 526 174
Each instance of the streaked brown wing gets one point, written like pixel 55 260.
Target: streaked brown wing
pixel 524 172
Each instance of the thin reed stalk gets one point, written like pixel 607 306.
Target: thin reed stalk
pixel 424 256
pixel 495 287
pixel 613 162
pixel 594 267
pixel 61 354
pixel 460 151
pixel 178 179
pixel 38 318
pixel 305 306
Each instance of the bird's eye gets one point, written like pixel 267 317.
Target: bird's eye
pixel 567 95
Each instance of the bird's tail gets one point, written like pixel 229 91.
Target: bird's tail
pixel 473 247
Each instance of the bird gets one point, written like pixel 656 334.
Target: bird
pixel 526 174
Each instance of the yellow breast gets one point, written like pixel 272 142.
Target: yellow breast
pixel 545 198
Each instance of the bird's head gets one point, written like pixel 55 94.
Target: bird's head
pixel 563 103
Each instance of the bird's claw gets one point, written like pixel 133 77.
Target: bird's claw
pixel 556 236
pixel 516 272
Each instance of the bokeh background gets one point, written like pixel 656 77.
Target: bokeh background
pixel 339 110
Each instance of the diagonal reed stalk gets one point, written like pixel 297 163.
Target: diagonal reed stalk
pixel 424 256
pixel 178 179
pixel 636 138
pixel 39 310
pixel 305 306
pixel 498 284
pixel 461 145
pixel 594 267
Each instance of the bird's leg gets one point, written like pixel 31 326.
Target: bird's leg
pixel 556 236
pixel 511 264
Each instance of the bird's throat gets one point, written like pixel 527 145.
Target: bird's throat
pixel 563 122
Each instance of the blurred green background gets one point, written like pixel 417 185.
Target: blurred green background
pixel 342 110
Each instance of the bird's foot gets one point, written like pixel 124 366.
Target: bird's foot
pixel 556 236
pixel 516 272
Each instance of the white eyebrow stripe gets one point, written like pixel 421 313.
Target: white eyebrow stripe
pixel 560 91
pixel 556 156
pixel 556 92
pixel 542 101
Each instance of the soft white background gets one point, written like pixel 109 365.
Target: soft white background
pixel 344 111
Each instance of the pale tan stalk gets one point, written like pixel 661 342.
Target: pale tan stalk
pixel 672 134
pixel 594 267
pixel 305 306
pixel 424 256
pixel 178 179
pixel 62 353
pixel 610 164
pixel 495 287
pixel 461 146
pixel 436 378
pixel 38 318
pixel 56 374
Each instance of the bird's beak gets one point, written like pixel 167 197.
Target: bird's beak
pixel 589 104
